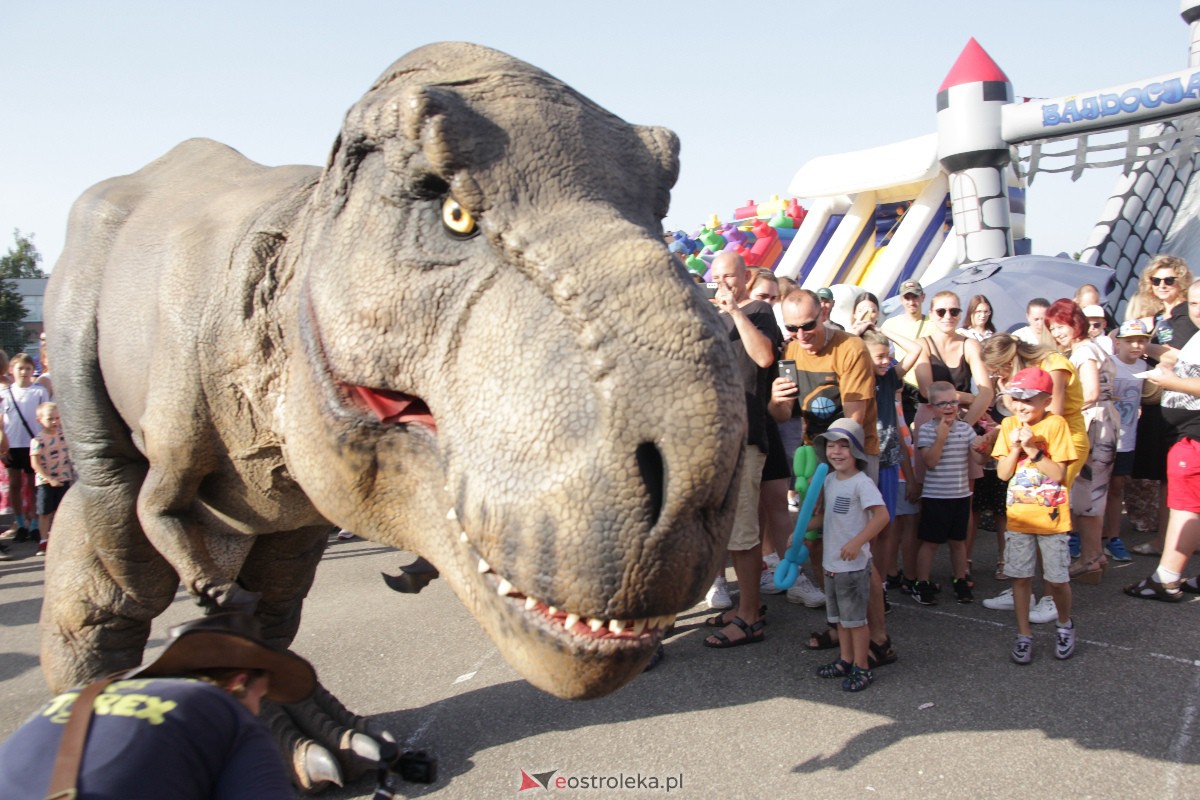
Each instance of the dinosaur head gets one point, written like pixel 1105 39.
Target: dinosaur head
pixel 499 366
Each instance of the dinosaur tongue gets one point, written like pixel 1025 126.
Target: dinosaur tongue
pixel 395 408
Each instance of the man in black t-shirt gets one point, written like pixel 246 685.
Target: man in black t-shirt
pixel 751 327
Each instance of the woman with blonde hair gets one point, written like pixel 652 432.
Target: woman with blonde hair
pixel 1163 287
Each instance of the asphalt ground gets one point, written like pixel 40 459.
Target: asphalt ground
pixel 952 719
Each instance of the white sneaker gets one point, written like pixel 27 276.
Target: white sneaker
pixel 1001 602
pixel 718 595
pixel 344 535
pixel 804 592
pixel 766 584
pixel 1044 611
pixel 771 560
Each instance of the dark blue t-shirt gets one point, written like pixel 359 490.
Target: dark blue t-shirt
pixel 886 387
pixel 154 738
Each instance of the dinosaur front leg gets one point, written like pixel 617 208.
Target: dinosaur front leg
pixel 166 510
pixel 324 742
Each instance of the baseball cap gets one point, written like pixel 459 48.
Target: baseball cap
pixel 1094 312
pixel 1131 328
pixel 1028 383
pixel 848 430
pixel 825 293
pixel 910 287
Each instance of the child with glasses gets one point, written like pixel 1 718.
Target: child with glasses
pixel 945 444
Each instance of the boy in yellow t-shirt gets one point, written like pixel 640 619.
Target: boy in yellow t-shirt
pixel 1034 449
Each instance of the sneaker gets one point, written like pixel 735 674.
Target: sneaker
pixel 1115 549
pixel 1001 602
pixel 893 581
pixel 1022 652
pixel 1064 643
pixel 887 604
pixel 718 596
pixel 906 585
pixel 344 535
pixel 962 591
pixel 766 584
pixel 1073 544
pixel 9 534
pixel 1043 611
pixel 22 534
pixel 804 593
pixel 770 561
pixel 4 554
pixel 923 593
pixel 41 548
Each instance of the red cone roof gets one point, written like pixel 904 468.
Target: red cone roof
pixel 973 65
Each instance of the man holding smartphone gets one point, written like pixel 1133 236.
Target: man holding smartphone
pixel 750 325
pixel 835 378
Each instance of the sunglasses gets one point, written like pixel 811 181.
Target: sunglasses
pixel 806 327
pixel 1096 325
pixel 1168 281
pixel 945 403
pixel 953 312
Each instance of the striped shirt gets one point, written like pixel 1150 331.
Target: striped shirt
pixel 947 478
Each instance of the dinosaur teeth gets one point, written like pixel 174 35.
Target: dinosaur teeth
pixel 504 587
pixel 570 621
pixel 451 514
pixel 462 537
pixel 616 625
pixel 639 626
pixel 530 604
pixel 552 611
pixel 595 624
pixel 483 567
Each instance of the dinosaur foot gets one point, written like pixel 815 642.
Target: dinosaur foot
pixel 325 743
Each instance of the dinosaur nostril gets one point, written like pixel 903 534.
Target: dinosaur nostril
pixel 650 464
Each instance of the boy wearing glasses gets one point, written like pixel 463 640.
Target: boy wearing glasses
pixel 945 446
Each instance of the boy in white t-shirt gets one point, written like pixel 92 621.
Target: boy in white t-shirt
pixel 1129 343
pixel 19 402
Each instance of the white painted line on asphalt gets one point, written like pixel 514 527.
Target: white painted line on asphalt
pixel 419 731
pixel 1191 662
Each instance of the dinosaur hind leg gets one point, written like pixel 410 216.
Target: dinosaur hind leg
pixel 105 583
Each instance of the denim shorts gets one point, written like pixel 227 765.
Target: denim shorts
pixel 846 595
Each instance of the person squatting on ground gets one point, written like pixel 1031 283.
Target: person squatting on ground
pixel 184 726
pixel 1034 448
pixel 945 444
pixel 852 514
pixel 51 461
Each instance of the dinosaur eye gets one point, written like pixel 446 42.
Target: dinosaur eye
pixel 457 219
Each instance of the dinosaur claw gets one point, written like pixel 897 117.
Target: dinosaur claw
pixel 365 747
pixel 321 767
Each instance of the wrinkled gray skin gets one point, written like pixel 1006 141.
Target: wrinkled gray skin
pixel 210 315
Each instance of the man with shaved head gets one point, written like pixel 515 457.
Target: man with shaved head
pixel 756 338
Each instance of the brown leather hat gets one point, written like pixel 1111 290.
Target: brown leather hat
pixel 231 640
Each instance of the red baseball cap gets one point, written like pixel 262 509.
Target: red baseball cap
pixel 1029 382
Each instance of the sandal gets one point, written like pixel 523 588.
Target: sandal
pixel 1151 589
pixel 879 655
pixel 1000 574
pixel 857 680
pixel 838 669
pixel 1090 572
pixel 719 621
pixel 753 635
pixel 824 640
pixel 1191 585
pixel 1145 549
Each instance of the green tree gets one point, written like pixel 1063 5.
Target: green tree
pixel 22 260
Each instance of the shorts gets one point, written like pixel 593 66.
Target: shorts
pixel 776 467
pixel 1123 465
pixel 745 519
pixel 944 519
pixel 48 497
pixel 846 595
pixel 1020 555
pixel 903 507
pixel 18 458
pixel 872 468
pixel 1089 494
pixel 889 487
pixel 1183 476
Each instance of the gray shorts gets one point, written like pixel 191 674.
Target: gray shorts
pixel 846 596
pixel 1020 555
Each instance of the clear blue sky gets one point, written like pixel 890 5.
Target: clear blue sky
pixel 95 89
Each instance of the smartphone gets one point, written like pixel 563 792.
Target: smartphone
pixel 710 291
pixel 787 370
